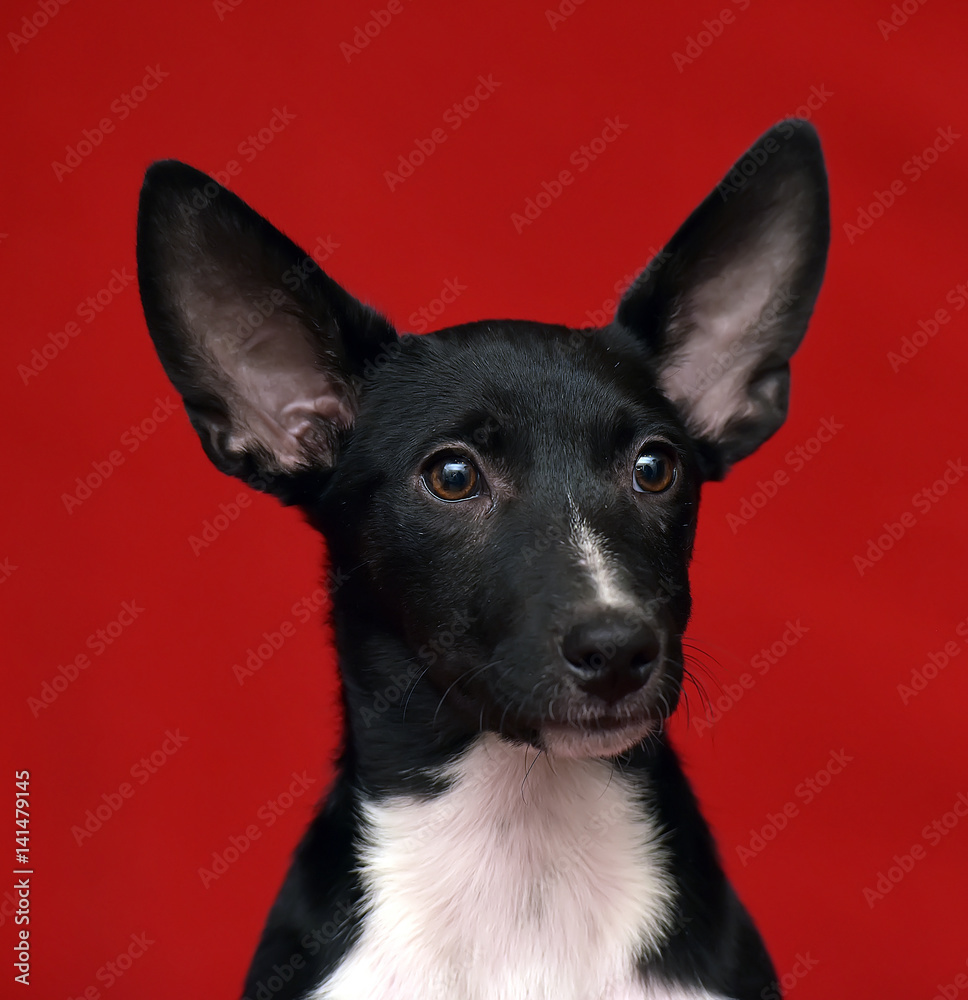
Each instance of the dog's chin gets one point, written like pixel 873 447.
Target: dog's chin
pixel 562 740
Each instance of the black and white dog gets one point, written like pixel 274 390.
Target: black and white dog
pixel 511 508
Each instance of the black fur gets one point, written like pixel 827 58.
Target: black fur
pixel 553 419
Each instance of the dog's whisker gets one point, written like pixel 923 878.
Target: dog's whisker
pixel 700 690
pixel 412 687
pixel 465 676
pixel 528 772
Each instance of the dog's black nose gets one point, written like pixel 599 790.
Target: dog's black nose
pixel 611 657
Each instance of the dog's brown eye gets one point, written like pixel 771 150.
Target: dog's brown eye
pixel 452 478
pixel 655 470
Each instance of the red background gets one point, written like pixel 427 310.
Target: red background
pixel 836 689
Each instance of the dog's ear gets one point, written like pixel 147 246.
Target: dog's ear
pixel 724 306
pixel 265 349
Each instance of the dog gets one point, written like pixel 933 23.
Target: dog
pixel 509 509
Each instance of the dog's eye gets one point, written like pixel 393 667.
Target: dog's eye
pixel 655 470
pixel 452 477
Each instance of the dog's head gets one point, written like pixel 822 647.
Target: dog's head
pixel 510 506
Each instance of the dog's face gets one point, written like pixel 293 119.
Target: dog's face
pixel 523 501
pixel 511 506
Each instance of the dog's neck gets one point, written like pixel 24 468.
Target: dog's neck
pixel 521 857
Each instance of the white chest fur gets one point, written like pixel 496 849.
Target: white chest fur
pixel 512 885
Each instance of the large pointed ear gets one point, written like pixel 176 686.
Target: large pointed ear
pixel 724 306
pixel 265 349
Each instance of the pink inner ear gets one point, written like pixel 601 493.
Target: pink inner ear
pixel 277 392
pixel 297 418
pixel 335 409
pixel 729 319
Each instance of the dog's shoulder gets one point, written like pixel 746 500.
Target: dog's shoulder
pixel 525 877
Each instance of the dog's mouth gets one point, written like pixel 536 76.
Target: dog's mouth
pixel 580 727
pixel 583 728
pixel 561 718
pixel 601 739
